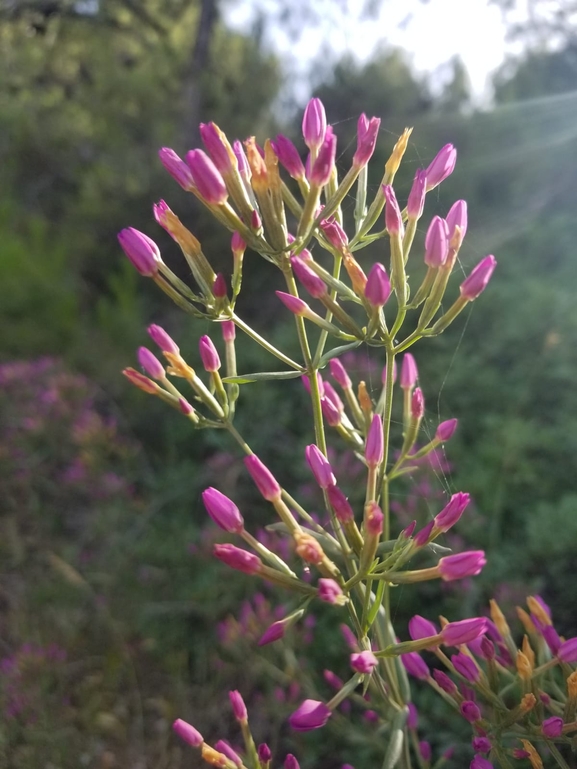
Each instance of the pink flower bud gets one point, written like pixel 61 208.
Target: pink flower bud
pixel 241 159
pixel 477 281
pixel 150 363
pixel 332 396
pixel 325 162
pixel 339 373
pixel 374 519
pixel 419 627
pixel 461 565
pixel 393 218
pixel 263 478
pixel 350 637
pixel 223 747
pixel 228 330
pixel 334 233
pixel 141 250
pixel 552 727
pixel 378 286
pixel 162 339
pixel 333 680
pixel 207 178
pixel 409 372
pixel 470 711
pixel 310 280
pixel 452 511
pixel 466 667
pixel 457 217
pixel 441 166
pixel 160 211
pixel 288 156
pixel 330 412
pixel 567 652
pixel 314 124
pixel 415 665
pixel 463 632
pixel 273 633
pixel 140 381
pixel 407 532
pixel 188 733
pixel 312 714
pixel 374 446
pixel 384 373
pixel 363 662
pixel 320 466
pixel 218 147
pixel 237 244
pixel 422 537
pixel 219 286
pixel 293 303
pixel 185 407
pixel 416 201
pixel 237 558
pixel 208 354
pixel 413 717
pixel 307 385
pixel 367 134
pixel 486 648
pixel 479 762
pixel 552 638
pixel 437 243
pixel 340 504
pixel 329 591
pixel 425 750
pixel 444 682
pixel 264 753
pixel 417 404
pixel 238 706
pixel 481 745
pixel 255 221
pixel 176 167
pixel 446 430
pixel 223 511
pixel 290 762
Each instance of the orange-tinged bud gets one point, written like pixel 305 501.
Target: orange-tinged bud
pixel 538 611
pixel 355 272
pixel 499 618
pixel 257 165
pixel 178 367
pixel 528 651
pixel 526 620
pixel 393 163
pixel 572 684
pixel 528 702
pixel 271 162
pixel 365 399
pixel 524 667
pixel 141 381
pixel 308 548
pixel 213 757
pixel 534 757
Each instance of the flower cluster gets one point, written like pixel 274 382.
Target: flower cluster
pixel 297 225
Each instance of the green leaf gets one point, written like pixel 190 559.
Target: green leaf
pixel 261 376
pixel 336 351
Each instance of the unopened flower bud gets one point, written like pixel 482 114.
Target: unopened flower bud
pixel 263 478
pixel 307 548
pixel 288 156
pixel 208 354
pixel 437 243
pixel 416 201
pixel 264 753
pixel 219 286
pixel 293 303
pixel 176 167
pixel 419 627
pixel 188 733
pixel 461 565
pixel 241 159
pixel 223 511
pixel 417 404
pixel 237 558
pixel 312 714
pixel 367 134
pixel 480 762
pixel 238 706
pixel 334 233
pixel 207 178
pixel 150 363
pixel 163 340
pixel 314 124
pixel 378 286
pixel 374 447
pixel 141 250
pixel 552 727
pixel 481 745
pixel 228 330
pixel 373 519
pixel 139 380
pixel 320 466
pixel 477 281
pixel 464 631
pixel 339 373
pixel 409 372
pixel 457 217
pixel 466 666
pixel 444 682
pixel 470 711
pixel 422 537
pixel 425 750
pixel 446 430
pixel 340 504
pixel 393 218
pixel 452 511
pixel 363 662
pixel 330 592
pixel 310 280
pixel 325 162
pixel 413 717
pixel 290 762
pixel 415 665
pixel 441 166
pixel 567 652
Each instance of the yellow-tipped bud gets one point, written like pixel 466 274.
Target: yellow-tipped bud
pixel 257 165
pixel 213 757
pixel 528 702
pixel 365 400
pixel 526 620
pixel 499 618
pixel 572 685
pixel 355 272
pixel 178 367
pixel 534 757
pixel 271 163
pixel 524 667
pixel 393 163
pixel 528 651
pixel 307 548
pixel 538 610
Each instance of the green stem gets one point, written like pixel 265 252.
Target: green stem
pixel 266 345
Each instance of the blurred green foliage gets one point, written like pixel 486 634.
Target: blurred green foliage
pixel 85 101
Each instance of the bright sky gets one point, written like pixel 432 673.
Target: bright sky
pixel 432 33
